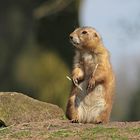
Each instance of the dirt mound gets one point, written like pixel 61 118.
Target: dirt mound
pixel 18 108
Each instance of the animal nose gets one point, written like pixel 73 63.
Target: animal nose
pixel 71 37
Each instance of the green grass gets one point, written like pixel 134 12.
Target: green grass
pixel 90 133
pixel 64 117
pixel 4 131
pixel 93 133
pixel 134 130
pixel 21 134
pixel 101 132
pixel 62 133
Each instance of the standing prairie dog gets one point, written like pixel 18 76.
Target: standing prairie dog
pixel 92 71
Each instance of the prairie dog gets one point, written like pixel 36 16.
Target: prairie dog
pixel 92 71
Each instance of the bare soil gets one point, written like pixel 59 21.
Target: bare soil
pixel 56 129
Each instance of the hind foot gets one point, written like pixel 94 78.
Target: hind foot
pixel 75 119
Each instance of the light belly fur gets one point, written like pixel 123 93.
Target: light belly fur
pixel 90 105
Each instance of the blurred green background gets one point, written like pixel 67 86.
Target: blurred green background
pixel 35 53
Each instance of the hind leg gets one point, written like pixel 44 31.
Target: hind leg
pixel 71 110
pixel 104 116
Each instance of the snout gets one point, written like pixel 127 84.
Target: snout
pixel 74 40
pixel 71 37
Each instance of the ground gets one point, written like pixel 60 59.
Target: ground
pixel 56 129
pixel 24 118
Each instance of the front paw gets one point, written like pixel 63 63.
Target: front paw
pixel 76 79
pixel 91 84
pixel 77 75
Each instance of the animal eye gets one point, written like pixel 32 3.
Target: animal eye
pixel 84 32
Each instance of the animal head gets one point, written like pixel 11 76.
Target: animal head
pixel 85 38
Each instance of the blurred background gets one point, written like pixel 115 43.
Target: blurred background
pixel 36 56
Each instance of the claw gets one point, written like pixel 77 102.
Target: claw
pixel 74 121
pixel 91 85
pixel 75 81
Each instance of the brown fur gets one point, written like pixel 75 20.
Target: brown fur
pixel 94 103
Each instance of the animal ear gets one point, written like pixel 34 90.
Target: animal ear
pixel 97 35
